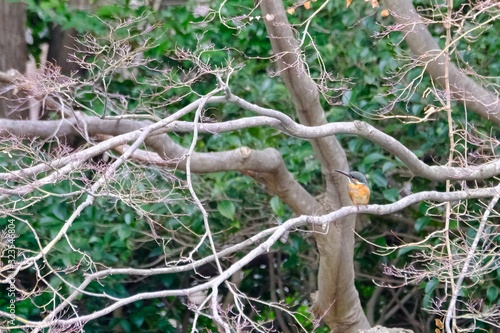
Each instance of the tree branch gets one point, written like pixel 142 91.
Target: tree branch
pixel 304 94
pixel 275 234
pixel 478 99
pixel 97 126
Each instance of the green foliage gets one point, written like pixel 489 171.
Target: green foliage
pixel 277 206
pixel 226 208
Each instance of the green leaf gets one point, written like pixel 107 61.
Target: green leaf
pixel 421 223
pixel 226 208
pixel 406 249
pixel 373 157
pixel 94 239
pixel 236 224
pixel 388 166
pixel 346 98
pixel 128 218
pixel 49 221
pixel 391 194
pixel 492 293
pixel 234 141
pixel 126 326
pixel 354 144
pixel 124 233
pixel 379 179
pixel 454 225
pixel 431 285
pixel 59 211
pixel 277 206
pixel 138 319
pixel 381 241
pixel 427 302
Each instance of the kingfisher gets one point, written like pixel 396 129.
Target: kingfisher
pixel 358 189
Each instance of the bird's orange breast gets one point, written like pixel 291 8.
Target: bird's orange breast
pixel 359 193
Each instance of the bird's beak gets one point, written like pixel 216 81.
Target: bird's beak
pixel 344 173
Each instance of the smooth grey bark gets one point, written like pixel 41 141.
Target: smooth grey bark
pixel 337 300
pixel 70 127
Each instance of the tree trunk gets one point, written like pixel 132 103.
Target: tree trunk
pixel 14 51
pixel 337 300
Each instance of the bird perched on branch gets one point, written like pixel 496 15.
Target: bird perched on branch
pixel 358 189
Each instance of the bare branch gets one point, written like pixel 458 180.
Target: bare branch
pixel 204 161
pixel 425 48
pixel 324 221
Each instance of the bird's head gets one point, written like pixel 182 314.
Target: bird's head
pixel 354 177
